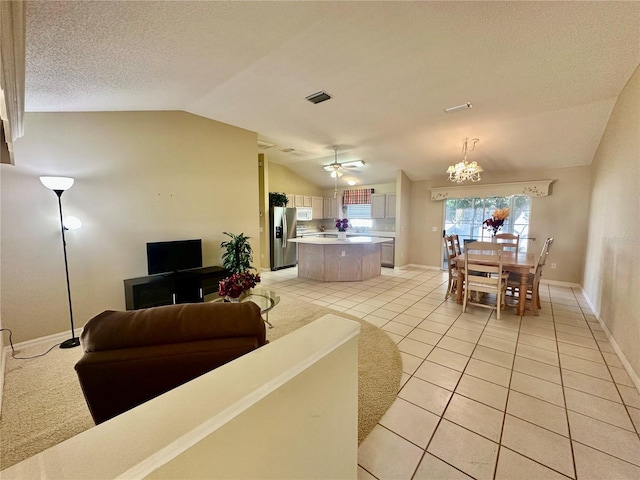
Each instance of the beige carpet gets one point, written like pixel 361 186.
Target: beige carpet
pixel 43 404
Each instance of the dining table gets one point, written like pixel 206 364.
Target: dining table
pixel 516 262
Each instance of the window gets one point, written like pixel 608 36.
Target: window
pixel 359 215
pixel 464 217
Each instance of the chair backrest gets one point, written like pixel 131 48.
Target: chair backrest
pixel 545 251
pixel 483 271
pixel 449 250
pixel 509 240
pixel 478 246
pixel 456 244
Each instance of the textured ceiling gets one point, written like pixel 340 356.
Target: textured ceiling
pixel 542 76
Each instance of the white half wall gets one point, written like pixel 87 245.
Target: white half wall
pixel 286 410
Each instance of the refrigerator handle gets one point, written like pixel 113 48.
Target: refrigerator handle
pixel 284 230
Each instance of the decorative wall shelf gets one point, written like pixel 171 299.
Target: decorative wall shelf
pixel 536 188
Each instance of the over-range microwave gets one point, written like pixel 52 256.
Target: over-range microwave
pixel 304 213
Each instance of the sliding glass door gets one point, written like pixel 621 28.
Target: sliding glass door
pixel 464 217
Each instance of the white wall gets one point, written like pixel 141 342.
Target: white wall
pixel 612 267
pixel 140 177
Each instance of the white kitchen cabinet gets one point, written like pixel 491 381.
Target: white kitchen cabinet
pixel 298 201
pixel 291 201
pixel 383 205
pixel 330 208
pixel 391 205
pixel 306 200
pixel 317 205
pixel 378 205
pixel 387 252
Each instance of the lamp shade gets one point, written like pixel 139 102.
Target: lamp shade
pixel 57 183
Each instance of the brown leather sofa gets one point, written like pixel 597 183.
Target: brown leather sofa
pixel 131 357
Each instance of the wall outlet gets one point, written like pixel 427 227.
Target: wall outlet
pixel 434 229
pixel 553 266
pixel 343 253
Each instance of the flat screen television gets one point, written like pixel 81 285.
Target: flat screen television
pixel 164 257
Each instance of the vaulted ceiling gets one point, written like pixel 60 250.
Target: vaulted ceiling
pixel 542 76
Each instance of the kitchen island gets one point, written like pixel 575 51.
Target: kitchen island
pixel 333 260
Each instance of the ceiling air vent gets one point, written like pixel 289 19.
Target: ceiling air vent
pixel 318 97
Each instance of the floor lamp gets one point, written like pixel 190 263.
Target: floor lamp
pixel 59 185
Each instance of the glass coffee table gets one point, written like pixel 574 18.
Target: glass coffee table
pixel 265 299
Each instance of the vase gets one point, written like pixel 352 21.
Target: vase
pixel 232 300
pixel 342 235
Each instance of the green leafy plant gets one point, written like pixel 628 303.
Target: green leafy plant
pixel 238 255
pixel 278 199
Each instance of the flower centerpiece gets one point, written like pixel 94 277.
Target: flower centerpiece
pixel 342 225
pixel 232 287
pixel 495 222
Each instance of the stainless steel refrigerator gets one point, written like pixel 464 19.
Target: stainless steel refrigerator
pixel 283 228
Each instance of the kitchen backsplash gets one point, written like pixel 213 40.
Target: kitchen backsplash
pixel 378 225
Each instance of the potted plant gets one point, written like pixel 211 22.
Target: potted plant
pixel 342 225
pixel 233 287
pixel 278 199
pixel 238 255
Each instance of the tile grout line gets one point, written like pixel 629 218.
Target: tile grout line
pixel 425 452
pixel 564 395
pixel 506 404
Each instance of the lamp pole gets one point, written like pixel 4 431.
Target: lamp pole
pixel 73 341
pixel 59 185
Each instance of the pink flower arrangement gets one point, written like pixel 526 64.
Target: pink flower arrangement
pixel 342 225
pixel 237 283
pixel 495 222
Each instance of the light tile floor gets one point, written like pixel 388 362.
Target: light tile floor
pixel 517 398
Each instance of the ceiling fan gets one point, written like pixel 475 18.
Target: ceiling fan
pixel 337 169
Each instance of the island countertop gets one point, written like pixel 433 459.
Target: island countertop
pixel 334 241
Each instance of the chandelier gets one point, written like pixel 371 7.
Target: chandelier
pixel 465 171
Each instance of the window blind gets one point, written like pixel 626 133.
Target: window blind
pixel 358 211
pixel 360 196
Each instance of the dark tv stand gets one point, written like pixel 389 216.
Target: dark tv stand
pixel 189 286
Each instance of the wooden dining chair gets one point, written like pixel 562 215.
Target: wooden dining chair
pixel 450 254
pixel 509 241
pixel 456 244
pixel 483 274
pixel 532 295
pixel 480 246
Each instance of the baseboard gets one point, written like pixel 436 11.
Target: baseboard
pixel 561 283
pixel 627 366
pixel 49 339
pixel 424 267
